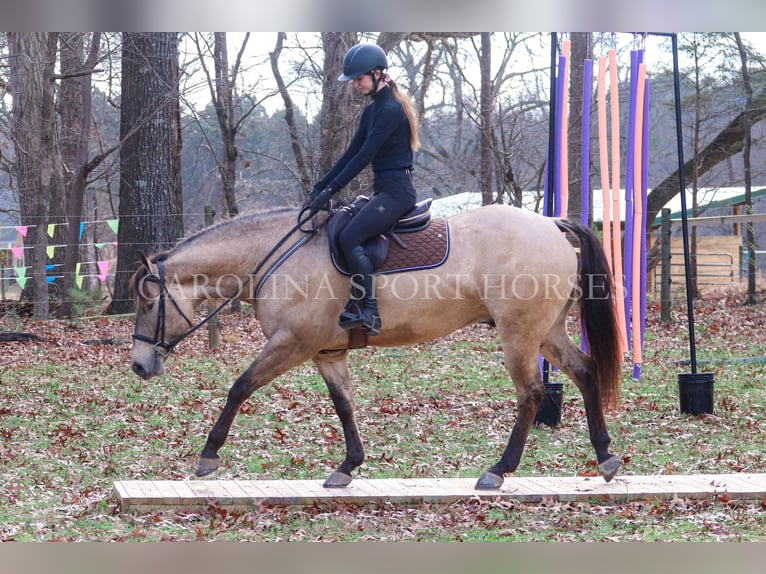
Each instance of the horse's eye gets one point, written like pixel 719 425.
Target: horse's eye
pixel 150 306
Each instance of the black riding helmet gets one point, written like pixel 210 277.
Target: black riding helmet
pixel 363 59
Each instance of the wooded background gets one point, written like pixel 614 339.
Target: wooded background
pixel 151 127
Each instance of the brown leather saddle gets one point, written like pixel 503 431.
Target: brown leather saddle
pixel 416 241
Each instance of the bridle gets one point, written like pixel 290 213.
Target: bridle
pixel 162 346
pixel 165 348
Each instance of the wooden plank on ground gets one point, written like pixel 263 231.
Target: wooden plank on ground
pixel 143 494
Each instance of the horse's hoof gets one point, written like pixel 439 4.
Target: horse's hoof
pixel 207 466
pixel 489 481
pixel 609 467
pixel 337 480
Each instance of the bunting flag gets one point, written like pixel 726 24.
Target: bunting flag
pixel 103 269
pixel 82 228
pixel 21 276
pixel 22 229
pixel 18 252
pixel 113 224
pixel 77 275
pixel 51 229
pixel 49 251
pixel 51 279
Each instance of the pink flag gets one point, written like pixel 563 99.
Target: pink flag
pixel 103 269
pixel 18 252
pixel 22 229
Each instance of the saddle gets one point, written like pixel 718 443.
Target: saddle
pixel 426 246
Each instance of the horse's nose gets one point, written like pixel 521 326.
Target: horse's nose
pixel 139 369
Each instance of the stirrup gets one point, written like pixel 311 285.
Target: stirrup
pixel 355 316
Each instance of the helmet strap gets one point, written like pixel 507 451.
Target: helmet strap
pixel 375 81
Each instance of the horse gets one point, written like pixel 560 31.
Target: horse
pixel 508 267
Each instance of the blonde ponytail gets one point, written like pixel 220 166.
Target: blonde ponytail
pixel 410 112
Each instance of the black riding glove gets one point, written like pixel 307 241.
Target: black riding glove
pixel 316 190
pixel 320 200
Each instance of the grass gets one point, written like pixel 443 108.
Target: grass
pixel 73 419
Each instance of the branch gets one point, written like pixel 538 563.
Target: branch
pixel 76 74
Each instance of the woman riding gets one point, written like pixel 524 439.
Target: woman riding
pixel 386 137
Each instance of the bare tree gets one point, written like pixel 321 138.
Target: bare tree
pixel 485 123
pixel 151 212
pixel 295 142
pixel 580 51
pixel 75 106
pixel 222 83
pixel 38 165
pixel 748 126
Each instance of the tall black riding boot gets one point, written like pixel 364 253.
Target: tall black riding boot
pixel 362 308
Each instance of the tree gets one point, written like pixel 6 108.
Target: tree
pixel 581 50
pixel 292 127
pixel 75 108
pixel 150 192
pixel 339 110
pixel 748 126
pixel 37 161
pixel 485 123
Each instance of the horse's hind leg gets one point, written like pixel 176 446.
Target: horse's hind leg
pixel 559 350
pixel 334 369
pixel 521 362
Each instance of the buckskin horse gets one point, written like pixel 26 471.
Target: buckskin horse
pixel 509 267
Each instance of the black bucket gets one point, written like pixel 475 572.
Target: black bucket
pixel 695 392
pixel 549 412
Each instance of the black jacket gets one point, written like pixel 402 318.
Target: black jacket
pixel 383 138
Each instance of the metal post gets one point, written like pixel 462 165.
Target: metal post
pixel 665 267
pixel 684 217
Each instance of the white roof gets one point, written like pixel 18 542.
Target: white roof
pixel 466 200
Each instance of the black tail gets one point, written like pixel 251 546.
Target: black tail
pixel 597 305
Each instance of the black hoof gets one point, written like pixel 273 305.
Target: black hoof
pixel 489 481
pixel 609 468
pixel 207 466
pixel 337 480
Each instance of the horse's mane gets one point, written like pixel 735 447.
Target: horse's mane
pixel 224 226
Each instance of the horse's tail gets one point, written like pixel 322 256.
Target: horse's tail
pixel 598 312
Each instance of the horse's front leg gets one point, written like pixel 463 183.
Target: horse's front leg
pixel 334 370
pixel 280 354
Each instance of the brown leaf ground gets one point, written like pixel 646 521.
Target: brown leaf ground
pixel 73 419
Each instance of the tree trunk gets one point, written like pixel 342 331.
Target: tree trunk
pixel 749 233
pixel 292 128
pixel 580 43
pixel 38 165
pixel 224 109
pixel 485 146
pixel 339 111
pixel 75 106
pixel 150 208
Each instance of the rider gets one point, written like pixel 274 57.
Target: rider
pixel 387 136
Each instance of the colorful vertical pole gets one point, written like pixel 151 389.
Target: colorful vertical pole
pixel 558 168
pixel 564 131
pixel 603 154
pixel 644 192
pixel 638 222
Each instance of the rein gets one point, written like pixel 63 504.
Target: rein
pixel 167 347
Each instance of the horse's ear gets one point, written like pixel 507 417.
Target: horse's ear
pixel 145 261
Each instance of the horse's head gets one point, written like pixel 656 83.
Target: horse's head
pixel 162 317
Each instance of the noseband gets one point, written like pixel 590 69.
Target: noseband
pixel 162 346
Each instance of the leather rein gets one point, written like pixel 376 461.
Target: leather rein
pixel 165 348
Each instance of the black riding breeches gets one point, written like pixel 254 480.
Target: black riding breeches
pixel 394 196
